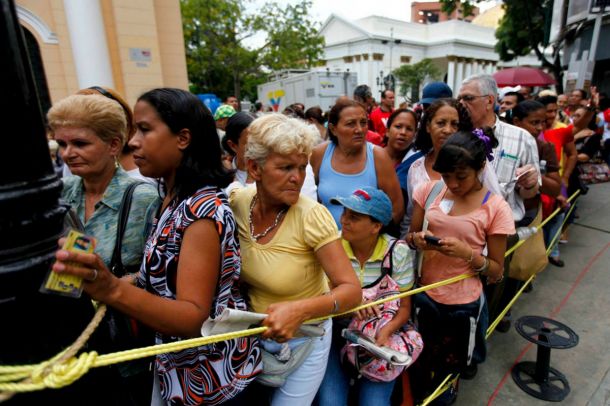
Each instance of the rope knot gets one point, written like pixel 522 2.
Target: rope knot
pixel 64 373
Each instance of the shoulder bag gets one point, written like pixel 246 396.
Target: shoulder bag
pixel 405 340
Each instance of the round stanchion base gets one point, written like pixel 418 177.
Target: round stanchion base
pixel 554 389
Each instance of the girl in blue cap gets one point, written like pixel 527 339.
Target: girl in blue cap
pixel 366 212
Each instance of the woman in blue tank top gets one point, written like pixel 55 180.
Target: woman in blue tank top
pixel 348 162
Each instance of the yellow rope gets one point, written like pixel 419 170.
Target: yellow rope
pixel 65 368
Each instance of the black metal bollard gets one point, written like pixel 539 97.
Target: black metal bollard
pixel 34 326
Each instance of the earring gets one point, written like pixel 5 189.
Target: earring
pixel 117 165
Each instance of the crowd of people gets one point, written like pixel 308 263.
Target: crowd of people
pixel 305 214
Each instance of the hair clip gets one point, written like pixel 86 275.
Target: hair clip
pixel 486 141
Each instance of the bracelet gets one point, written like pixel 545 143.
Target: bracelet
pixel 484 267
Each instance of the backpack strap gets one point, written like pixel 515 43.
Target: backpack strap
pixel 436 190
pixel 386 264
pixel 116 263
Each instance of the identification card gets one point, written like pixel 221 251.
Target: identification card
pixel 69 285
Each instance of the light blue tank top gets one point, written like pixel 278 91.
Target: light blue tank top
pixel 333 184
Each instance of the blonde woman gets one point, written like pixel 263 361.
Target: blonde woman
pixel 290 246
pixel 91 131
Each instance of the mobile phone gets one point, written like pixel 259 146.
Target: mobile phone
pixel 432 240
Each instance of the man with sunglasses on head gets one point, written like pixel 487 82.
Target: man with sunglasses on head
pixel 515 162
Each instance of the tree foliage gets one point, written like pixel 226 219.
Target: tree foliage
pixel 412 76
pixel 522 30
pixel 219 62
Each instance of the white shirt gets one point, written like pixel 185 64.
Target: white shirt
pixel 516 148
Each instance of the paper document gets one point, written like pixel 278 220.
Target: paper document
pixel 392 356
pixel 236 320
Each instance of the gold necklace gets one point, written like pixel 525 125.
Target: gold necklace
pixel 258 236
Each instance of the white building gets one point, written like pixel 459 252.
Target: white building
pixel 372 45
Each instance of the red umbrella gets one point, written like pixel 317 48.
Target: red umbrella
pixel 523 76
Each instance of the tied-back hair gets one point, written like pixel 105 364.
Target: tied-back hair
pixel 236 124
pixel 114 95
pixel 423 140
pixel 315 113
pixel 465 149
pixel 335 114
pixel 524 109
pixel 201 163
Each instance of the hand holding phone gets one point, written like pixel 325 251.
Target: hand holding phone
pixel 432 240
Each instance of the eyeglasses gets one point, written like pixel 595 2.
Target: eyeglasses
pixel 468 97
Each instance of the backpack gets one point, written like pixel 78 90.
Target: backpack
pixel 406 340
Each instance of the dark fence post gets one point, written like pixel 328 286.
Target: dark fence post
pixel 33 326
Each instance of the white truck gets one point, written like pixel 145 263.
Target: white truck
pixel 312 88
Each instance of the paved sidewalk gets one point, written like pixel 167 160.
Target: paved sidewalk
pixel 576 295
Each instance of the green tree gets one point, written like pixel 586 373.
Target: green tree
pixel 412 76
pixel 523 29
pixel 219 62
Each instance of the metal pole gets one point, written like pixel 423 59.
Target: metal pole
pixel 35 326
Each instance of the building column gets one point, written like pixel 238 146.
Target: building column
pixel 468 68
pixel 451 73
pixel 483 66
pixel 459 74
pixel 88 39
pixel 475 67
pixel 490 67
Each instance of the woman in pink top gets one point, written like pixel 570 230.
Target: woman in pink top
pixel 465 217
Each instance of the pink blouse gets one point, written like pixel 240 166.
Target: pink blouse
pixel 491 218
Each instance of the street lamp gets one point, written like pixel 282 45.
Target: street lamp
pixel 380 82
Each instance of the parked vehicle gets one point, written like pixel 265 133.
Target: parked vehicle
pixel 312 88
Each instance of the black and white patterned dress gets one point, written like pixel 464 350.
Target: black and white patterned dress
pixel 212 373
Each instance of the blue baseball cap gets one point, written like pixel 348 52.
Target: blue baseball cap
pixel 435 90
pixel 370 201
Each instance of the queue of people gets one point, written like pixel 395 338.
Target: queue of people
pixel 298 217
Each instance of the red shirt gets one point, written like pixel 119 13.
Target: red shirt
pixel 559 137
pixel 374 138
pixel 380 119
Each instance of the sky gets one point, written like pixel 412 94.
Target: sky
pixel 353 9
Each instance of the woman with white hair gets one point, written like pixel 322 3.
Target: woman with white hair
pixel 290 246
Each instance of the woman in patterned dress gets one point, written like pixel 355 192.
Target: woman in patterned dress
pixel 191 262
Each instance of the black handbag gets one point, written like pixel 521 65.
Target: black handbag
pixel 126 332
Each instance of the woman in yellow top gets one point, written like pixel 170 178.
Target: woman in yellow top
pixel 290 245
